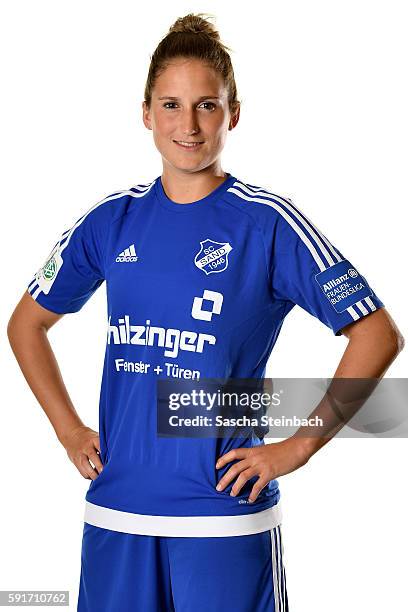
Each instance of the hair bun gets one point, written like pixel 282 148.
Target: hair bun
pixel 196 24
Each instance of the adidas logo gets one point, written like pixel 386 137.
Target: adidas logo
pixel 128 254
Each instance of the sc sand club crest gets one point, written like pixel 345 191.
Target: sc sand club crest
pixel 212 256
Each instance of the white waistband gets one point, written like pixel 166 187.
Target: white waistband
pixel 183 526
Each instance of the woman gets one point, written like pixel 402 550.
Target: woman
pixel 201 269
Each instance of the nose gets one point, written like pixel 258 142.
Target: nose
pixel 189 122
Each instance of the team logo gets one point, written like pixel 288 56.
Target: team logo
pixel 212 256
pixel 47 274
pixel 49 269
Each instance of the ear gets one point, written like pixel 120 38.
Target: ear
pixel 234 118
pixel 146 116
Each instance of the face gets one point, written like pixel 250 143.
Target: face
pixel 190 105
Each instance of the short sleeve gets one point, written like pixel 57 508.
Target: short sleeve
pixel 306 269
pixel 74 269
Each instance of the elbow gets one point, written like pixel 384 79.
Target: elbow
pixel 400 342
pixel 393 342
pixel 9 327
pixel 14 330
pixel 11 330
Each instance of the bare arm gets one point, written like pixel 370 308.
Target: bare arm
pixel 27 333
pixel 374 343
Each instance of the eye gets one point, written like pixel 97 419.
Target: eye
pixel 210 103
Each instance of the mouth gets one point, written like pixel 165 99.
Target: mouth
pixel 192 145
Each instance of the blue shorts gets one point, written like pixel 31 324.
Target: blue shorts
pixel 122 572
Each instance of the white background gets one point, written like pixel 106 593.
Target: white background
pixel 323 120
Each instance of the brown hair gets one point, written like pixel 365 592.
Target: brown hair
pixel 193 36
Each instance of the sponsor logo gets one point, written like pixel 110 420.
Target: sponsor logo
pixel 342 285
pixel 172 340
pixel 128 255
pixel 351 273
pixel 197 311
pixel 212 256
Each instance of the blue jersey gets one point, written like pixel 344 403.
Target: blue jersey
pixel 193 290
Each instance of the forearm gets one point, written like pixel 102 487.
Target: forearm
pixel 41 371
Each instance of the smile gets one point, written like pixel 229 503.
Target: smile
pixel 188 145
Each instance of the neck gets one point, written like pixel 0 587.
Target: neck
pixel 186 187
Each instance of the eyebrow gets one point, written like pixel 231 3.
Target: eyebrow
pixel 201 98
